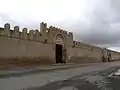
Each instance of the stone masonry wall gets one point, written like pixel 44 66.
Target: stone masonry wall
pixel 85 51
pixel 41 43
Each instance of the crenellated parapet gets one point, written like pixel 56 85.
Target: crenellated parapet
pixel 54 31
pixel 42 34
pixel 67 36
pixel 31 35
pixel 7 29
pixel 38 35
pixel 95 48
pixel 43 27
pixel 34 35
pixel 25 34
pixel 81 45
pixel 86 46
pixel 43 30
pixel 70 38
pixel 16 32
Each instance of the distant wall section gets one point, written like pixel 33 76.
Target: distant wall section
pixel 14 43
pixel 41 43
pixel 85 51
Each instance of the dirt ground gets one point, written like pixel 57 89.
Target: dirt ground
pixel 8 63
pixel 23 62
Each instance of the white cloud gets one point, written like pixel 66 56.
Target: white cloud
pixel 89 19
pixel 46 10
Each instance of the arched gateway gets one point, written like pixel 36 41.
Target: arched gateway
pixel 59 48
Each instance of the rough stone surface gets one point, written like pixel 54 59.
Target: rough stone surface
pixel 24 44
pixel 93 77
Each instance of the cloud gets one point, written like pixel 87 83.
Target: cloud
pixel 4 18
pixel 103 27
pixel 96 22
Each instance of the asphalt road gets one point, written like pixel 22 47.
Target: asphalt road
pixel 95 77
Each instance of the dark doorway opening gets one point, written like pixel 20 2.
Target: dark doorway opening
pixel 59 54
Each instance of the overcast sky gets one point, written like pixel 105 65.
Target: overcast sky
pixel 92 21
